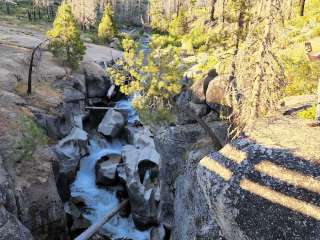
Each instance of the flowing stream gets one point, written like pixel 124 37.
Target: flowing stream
pixel 100 201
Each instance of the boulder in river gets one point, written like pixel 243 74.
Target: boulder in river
pixel 75 145
pixel 97 82
pixel 106 171
pixel 144 207
pixel 112 124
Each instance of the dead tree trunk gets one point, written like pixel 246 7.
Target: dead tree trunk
pixel 302 7
pixel 31 65
pixel 203 124
pixel 212 11
pixel 96 226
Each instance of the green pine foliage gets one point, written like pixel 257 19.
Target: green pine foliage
pixel 64 38
pixel 179 24
pixel 32 137
pixel 154 81
pixel 107 29
pixel 302 75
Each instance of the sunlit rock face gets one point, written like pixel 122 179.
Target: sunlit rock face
pixel 257 190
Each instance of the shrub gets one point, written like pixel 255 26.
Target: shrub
pixel 64 38
pixel 32 137
pixel 308 114
pixel 107 29
pixel 302 75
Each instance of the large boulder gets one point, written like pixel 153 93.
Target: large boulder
pixel 56 126
pixel 106 170
pixel 75 145
pixel 7 194
pixel 216 92
pixel 256 188
pixel 191 213
pixel 112 124
pixel 144 207
pixel 70 150
pixel 140 172
pixel 97 82
pixel 199 88
pixel 39 204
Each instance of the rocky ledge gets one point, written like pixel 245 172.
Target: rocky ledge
pixel 265 182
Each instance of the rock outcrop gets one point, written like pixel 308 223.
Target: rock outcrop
pixel 106 170
pixel 112 124
pixel 140 172
pixel 97 82
pixel 174 145
pixel 11 228
pixel 265 185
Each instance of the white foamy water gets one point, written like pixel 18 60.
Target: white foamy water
pixel 100 201
pixel 132 114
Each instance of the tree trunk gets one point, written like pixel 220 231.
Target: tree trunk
pixel 96 226
pixel 212 11
pixel 29 90
pixel 302 7
pixel 318 104
pixel 8 8
pixel 203 124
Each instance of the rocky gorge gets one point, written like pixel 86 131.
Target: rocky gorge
pixel 180 184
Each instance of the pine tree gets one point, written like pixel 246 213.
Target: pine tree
pixel 106 29
pixel 179 24
pixel 64 37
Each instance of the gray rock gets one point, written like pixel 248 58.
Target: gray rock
pixel 97 82
pixel 80 224
pixel 75 145
pixel 106 171
pixel 11 228
pixel 144 207
pixel 139 136
pixel 173 145
pixel 40 207
pixel 56 127
pixel 7 195
pixel 11 98
pixel 199 88
pixel 112 124
pixel 70 150
pixel 140 171
pixel 183 101
pixel 199 109
pixel 249 202
pixel 115 43
pixel 216 93
pixel 158 233
pixel 72 95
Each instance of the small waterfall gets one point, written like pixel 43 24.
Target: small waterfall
pixel 100 201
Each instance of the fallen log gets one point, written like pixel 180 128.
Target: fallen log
pixel 97 225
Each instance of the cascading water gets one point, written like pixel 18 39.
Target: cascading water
pixel 100 201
